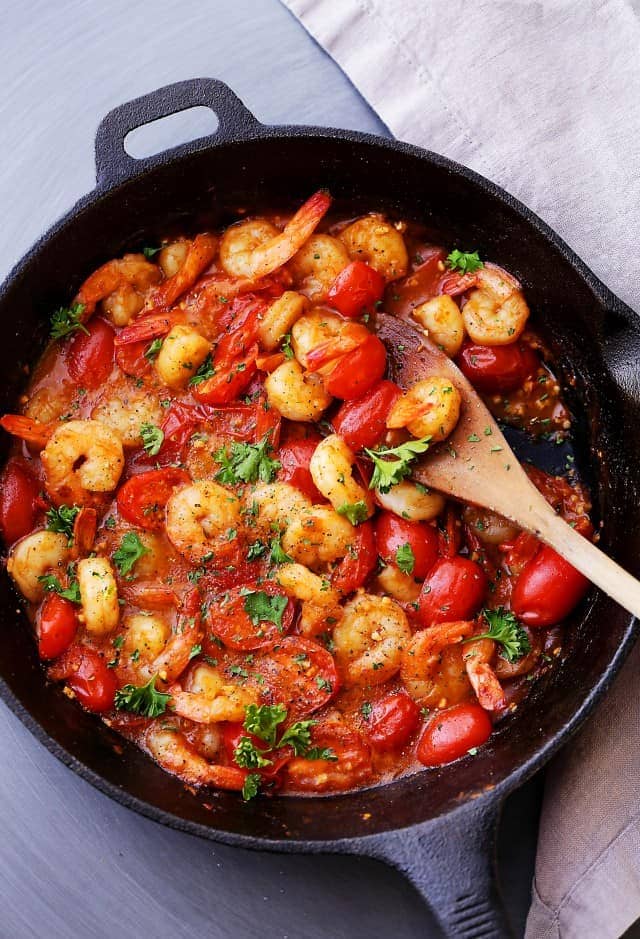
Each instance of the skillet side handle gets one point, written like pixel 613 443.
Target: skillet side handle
pixel 113 163
pixel 452 863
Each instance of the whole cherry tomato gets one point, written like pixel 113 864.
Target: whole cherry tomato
pixel 87 675
pixel 90 356
pixel 19 493
pixel 141 500
pixel 453 590
pixel 496 369
pixel 547 589
pixel 393 532
pixel 393 719
pixel 363 421
pixel 240 626
pixel 355 373
pixel 57 625
pixel 294 458
pixel 452 732
pixel 356 287
pixel 356 566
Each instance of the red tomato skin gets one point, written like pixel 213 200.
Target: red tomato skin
pixel 363 421
pixel 354 569
pixel 496 369
pixel 150 489
pixel 57 626
pixel 356 373
pixel 19 493
pixel 90 357
pixel 230 380
pixel 87 675
pixel 232 733
pixel 454 589
pixel 452 732
pixel 231 624
pixel 547 589
pixel 393 719
pixel 295 458
pixel 392 532
pixel 356 287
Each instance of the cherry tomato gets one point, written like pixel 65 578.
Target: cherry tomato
pixel 356 287
pixel 496 369
pixel 57 626
pixel 230 379
pixel 87 675
pixel 131 358
pixel 301 674
pixel 453 590
pixel 90 357
pixel 356 566
pixel 452 732
pixel 356 373
pixel 547 589
pixel 19 494
pixel 350 766
pixel 363 421
pixel 141 500
pixel 393 719
pixel 229 620
pixel 392 532
pixel 294 458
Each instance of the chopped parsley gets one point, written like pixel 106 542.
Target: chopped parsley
pixel 195 650
pixel 66 320
pixel 262 720
pixel 149 252
pixel 261 607
pixel 152 438
pixel 356 512
pixel 256 550
pixel 247 462
pixel 251 786
pixel 129 553
pixel 286 346
pixel 152 351
pixel 393 464
pixel 365 709
pixel 205 372
pixel 52 585
pixel 505 629
pixel 142 699
pixel 405 558
pixel 62 519
pixel 467 262
pixel 278 555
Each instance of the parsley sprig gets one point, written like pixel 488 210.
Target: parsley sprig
pixel 152 438
pixel 505 629
pixel 405 558
pixel 66 320
pixel 261 607
pixel 142 699
pixel 247 462
pixel 205 372
pixel 393 464
pixel 52 585
pixel 62 520
pixel 467 262
pixel 129 553
pixel 356 512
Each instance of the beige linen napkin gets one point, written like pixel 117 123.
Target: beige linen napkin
pixel 544 99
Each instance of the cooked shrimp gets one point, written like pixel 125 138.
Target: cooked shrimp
pixel 84 532
pixel 477 657
pixel 489 527
pixel 100 609
pixel 432 669
pixel 255 248
pixel 146 636
pixel 275 505
pixel 82 460
pixel 40 553
pixel 413 502
pixel 279 317
pixel 210 697
pixel 442 321
pixel 127 410
pixel 318 537
pixel 317 264
pixel 178 650
pixel 199 255
pixel 313 330
pixel 398 585
pixel 297 395
pixel 48 404
pixel 430 408
pixel 170 749
pixel 496 312
pixel 172 256
pixel 128 275
pixel 200 518
pixel 183 352
pixel 36 433
pixel 370 639
pixel 373 240
pixel 331 468
pixel 320 603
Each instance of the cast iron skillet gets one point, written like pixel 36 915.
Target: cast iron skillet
pixel 438 827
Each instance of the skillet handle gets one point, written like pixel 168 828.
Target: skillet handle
pixel 452 863
pixel 113 163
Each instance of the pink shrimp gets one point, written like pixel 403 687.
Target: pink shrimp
pixel 131 271
pixel 201 253
pixel 477 658
pixel 174 754
pixel 35 432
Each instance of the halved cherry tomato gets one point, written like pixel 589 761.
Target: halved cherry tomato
pixel 356 373
pixel 230 622
pixel 392 532
pixel 356 287
pixel 301 674
pixel 363 421
pixel 90 357
pixel 131 358
pixel 230 379
pixel 452 732
pixel 57 625
pixel 87 675
pixel 393 719
pixel 350 766
pixel 496 369
pixel 19 501
pixel 356 566
pixel 453 590
pixel 141 500
pixel 547 589
pixel 294 458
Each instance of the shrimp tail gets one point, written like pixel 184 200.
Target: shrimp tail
pixel 27 429
pixel 282 248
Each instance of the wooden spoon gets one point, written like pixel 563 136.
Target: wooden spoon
pixel 477 465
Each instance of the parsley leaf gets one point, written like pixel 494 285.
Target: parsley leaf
pixel 389 472
pixel 66 320
pixel 251 786
pixel 205 372
pixel 142 699
pixel 278 554
pixel 248 756
pixel 62 519
pixel 321 753
pixel 153 349
pixel 286 346
pixel 256 550
pixel 247 462
pixel 356 512
pixel 467 262
pixel 51 583
pixel 262 607
pixel 298 736
pixel 505 629
pixel 195 650
pixel 129 553
pixel 152 438
pixel 405 558
pixel 149 252
pixel 262 720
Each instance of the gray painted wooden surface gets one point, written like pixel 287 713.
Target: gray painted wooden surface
pixel 74 865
